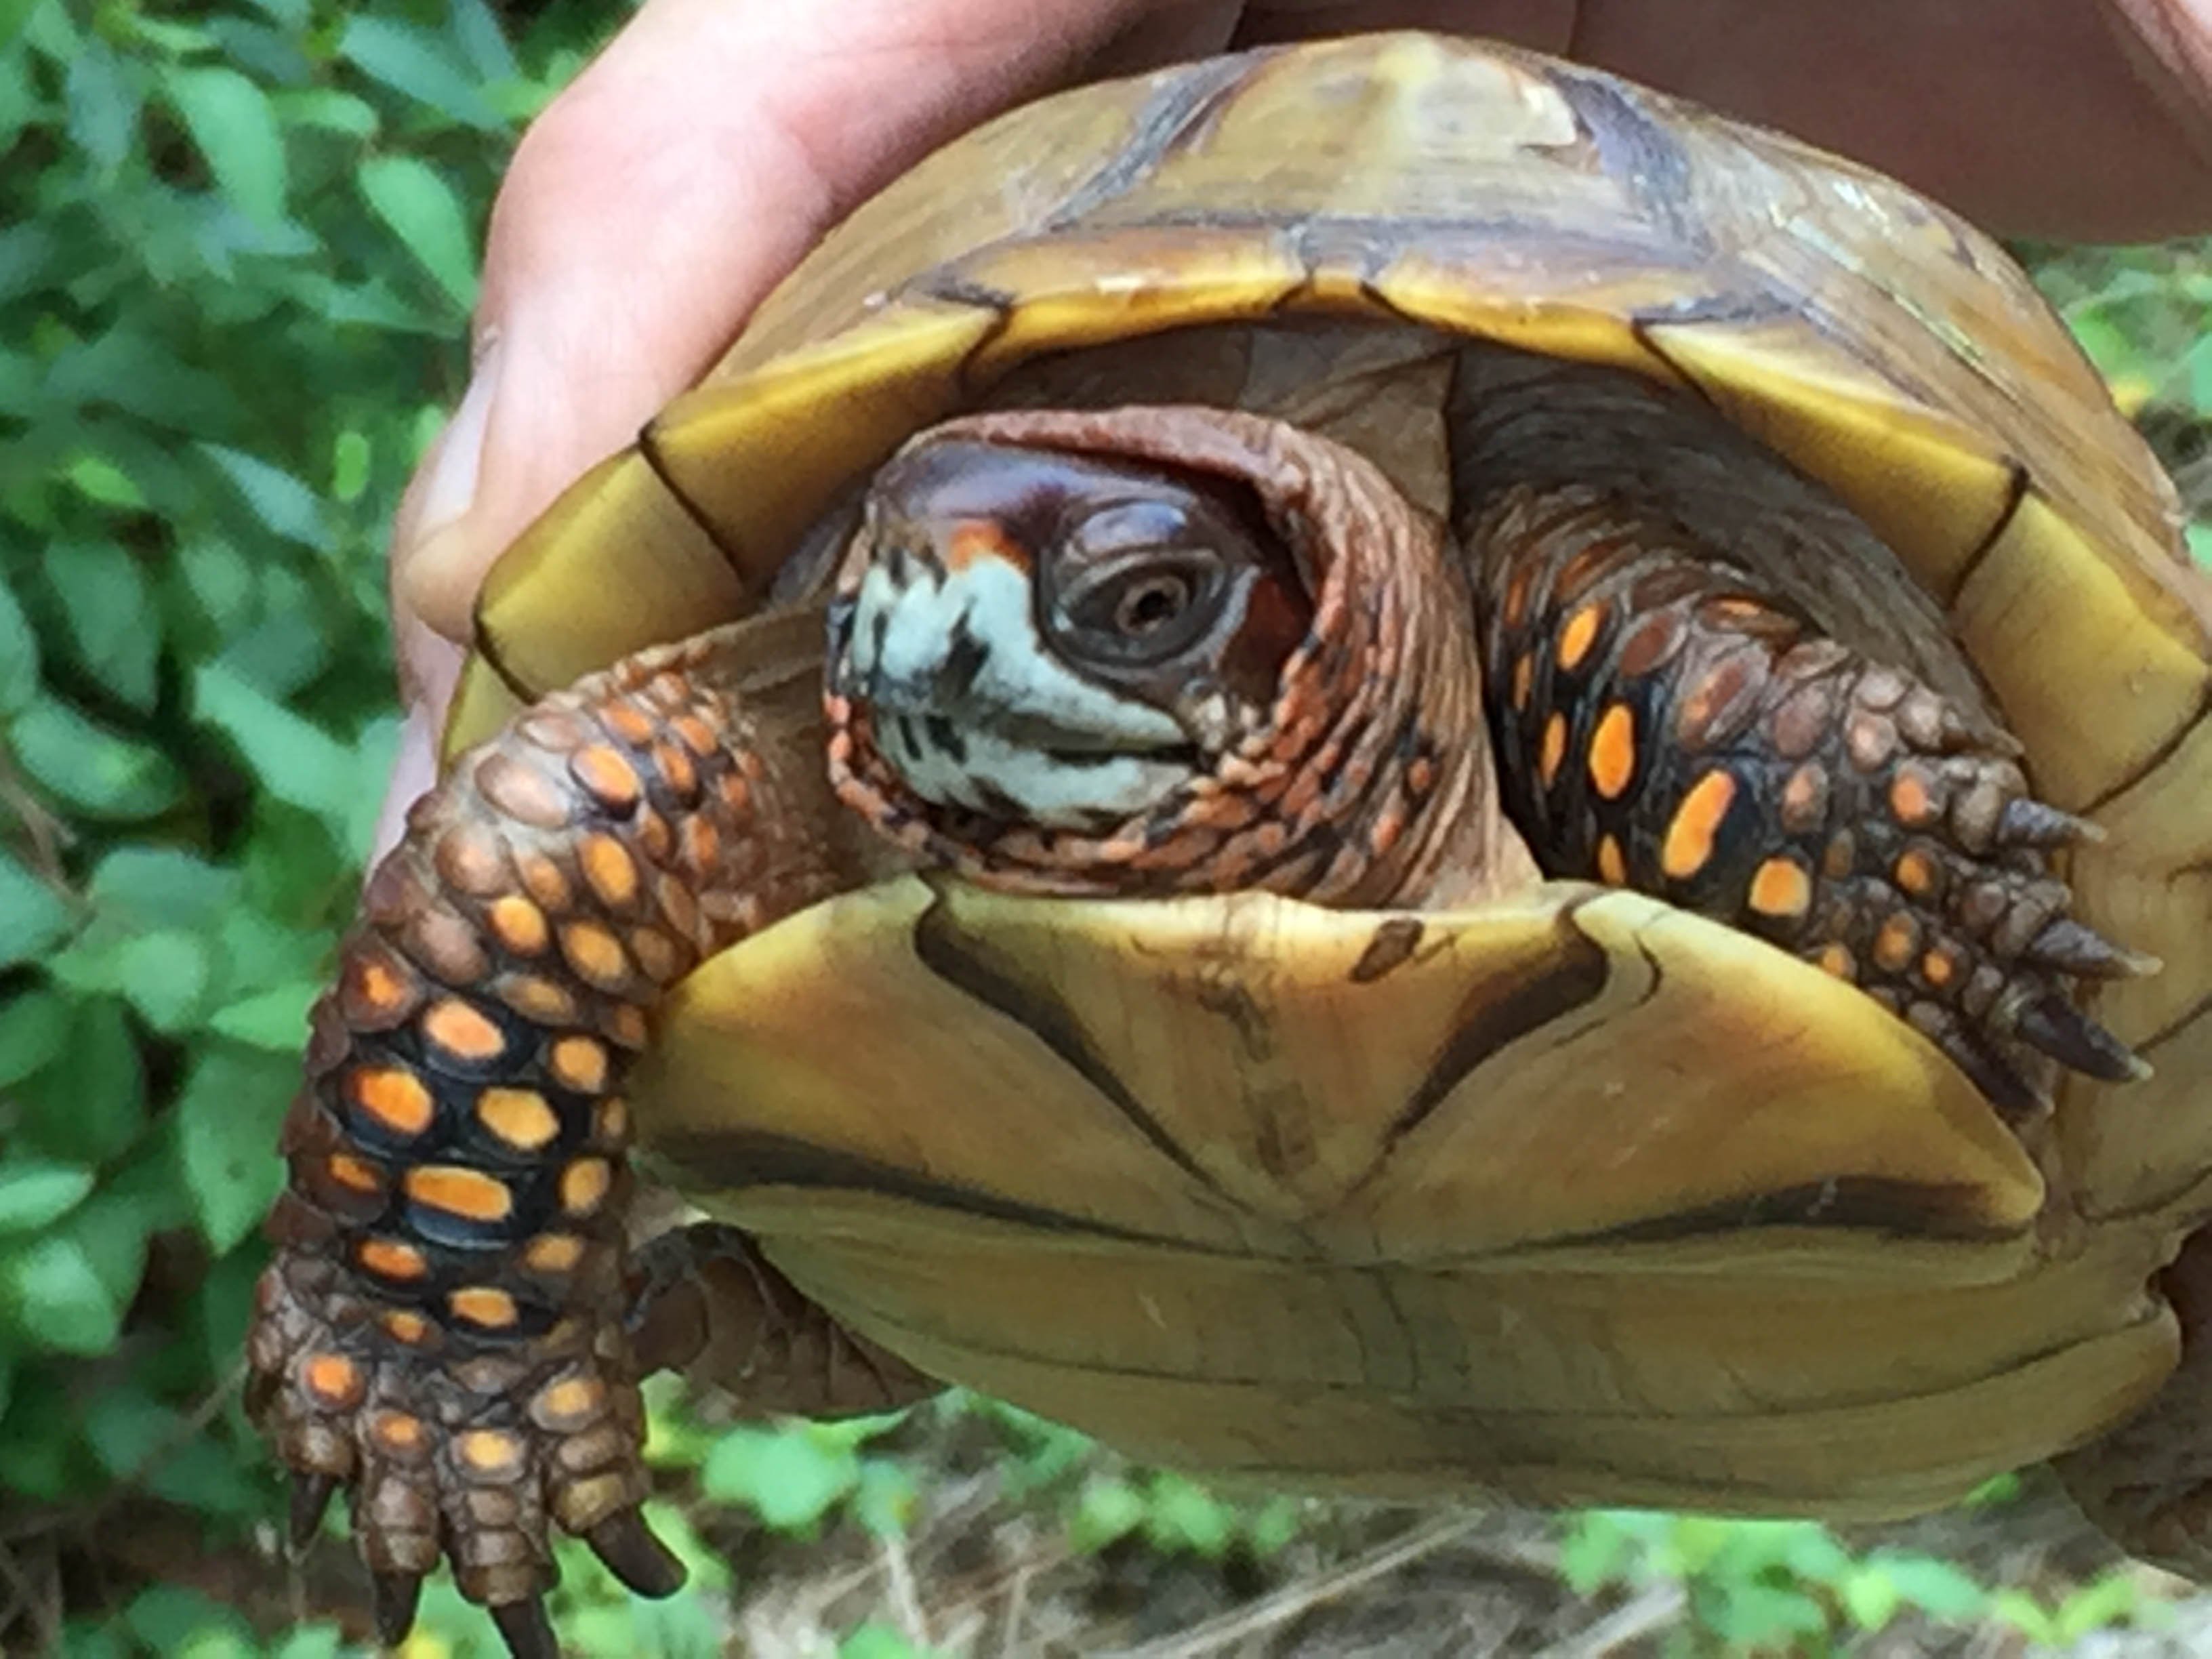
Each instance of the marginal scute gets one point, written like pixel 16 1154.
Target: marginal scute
pixel 2046 613
pixel 1164 278
pixel 1932 487
pixel 616 564
pixel 732 453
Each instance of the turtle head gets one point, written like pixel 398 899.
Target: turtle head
pixel 1058 638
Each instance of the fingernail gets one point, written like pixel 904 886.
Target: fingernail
pixel 450 486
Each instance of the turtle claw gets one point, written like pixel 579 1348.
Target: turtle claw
pixel 2017 1096
pixel 394 1595
pixel 2027 822
pixel 526 1628
pixel 2065 945
pixel 626 1545
pixel 2055 1025
pixel 311 1495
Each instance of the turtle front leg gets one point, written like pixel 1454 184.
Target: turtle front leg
pixel 443 1326
pixel 1663 721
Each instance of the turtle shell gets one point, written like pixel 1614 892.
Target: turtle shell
pixel 1571 1193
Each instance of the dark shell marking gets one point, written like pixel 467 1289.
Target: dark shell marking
pixel 1664 722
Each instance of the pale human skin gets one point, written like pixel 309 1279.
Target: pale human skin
pixel 655 203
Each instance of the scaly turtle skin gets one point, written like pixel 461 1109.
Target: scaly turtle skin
pixel 1550 744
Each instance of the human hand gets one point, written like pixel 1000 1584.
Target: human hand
pixel 662 195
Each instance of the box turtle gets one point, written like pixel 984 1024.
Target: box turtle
pixel 1380 767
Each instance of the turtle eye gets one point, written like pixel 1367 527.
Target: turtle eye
pixel 1151 602
pixel 1138 608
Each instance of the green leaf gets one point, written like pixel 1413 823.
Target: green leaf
pixel 275 1020
pixel 1276 1526
pixel 1596 1553
pixel 34 1026
pixel 884 1497
pixel 162 887
pixel 330 111
pixel 92 766
pixel 35 1192
pixel 19 656
pixel 221 581
pixel 59 1300
pixel 103 108
pixel 229 119
pixel 1754 1614
pixel 1870 1598
pixel 164 975
pixel 112 617
pixel 1183 1516
pixel 33 916
pixel 351 458
pixel 40 1454
pixel 89 1104
pixel 1934 1586
pixel 293 760
pixel 874 1640
pixel 169 1619
pixel 101 481
pixel 421 210
pixel 1107 1511
pixel 226 1120
pixel 280 500
pixel 2025 1614
pixel 786 1477
pixel 2111 1599
pixel 414 62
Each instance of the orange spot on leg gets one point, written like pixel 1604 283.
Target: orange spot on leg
pixel 484 1305
pixel 584 1184
pixel 1781 887
pixel 1689 842
pixel 459 1191
pixel 336 1381
pixel 1554 752
pixel 612 780
pixel 579 1063
pixel 518 925
pixel 1612 752
pixel 463 1032
pixel 388 1258
pixel 1612 867
pixel 520 1117
pixel 395 1098
pixel 1579 635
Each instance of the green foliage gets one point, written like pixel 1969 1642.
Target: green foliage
pixel 2144 315
pixel 1101 1502
pixel 1792 1586
pixel 236 255
pixel 795 1475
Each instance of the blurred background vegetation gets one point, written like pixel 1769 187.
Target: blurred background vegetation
pixel 237 255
